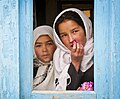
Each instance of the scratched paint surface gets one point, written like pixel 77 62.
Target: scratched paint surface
pixel 64 95
pixel 115 50
pixel 26 28
pixel 9 50
pixel 26 61
pixel 107 49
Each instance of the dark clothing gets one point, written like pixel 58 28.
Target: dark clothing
pixel 35 71
pixel 78 78
pixel 35 67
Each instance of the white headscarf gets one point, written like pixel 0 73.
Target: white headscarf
pixel 62 57
pixel 42 30
pixel 43 68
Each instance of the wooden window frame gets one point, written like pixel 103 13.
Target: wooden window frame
pixel 101 56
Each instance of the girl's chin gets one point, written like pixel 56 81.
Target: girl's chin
pixel 46 61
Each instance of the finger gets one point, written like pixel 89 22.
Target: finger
pixel 78 48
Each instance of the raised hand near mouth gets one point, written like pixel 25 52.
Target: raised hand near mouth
pixel 77 53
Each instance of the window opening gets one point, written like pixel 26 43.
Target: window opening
pixel 44 14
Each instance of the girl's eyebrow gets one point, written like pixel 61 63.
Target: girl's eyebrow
pixel 38 43
pixel 75 28
pixel 50 41
pixel 62 33
pixel 46 41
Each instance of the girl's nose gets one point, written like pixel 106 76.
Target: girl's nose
pixel 44 48
pixel 70 38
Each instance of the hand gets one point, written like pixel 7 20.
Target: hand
pixel 77 53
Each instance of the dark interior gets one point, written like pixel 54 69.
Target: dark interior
pixel 45 11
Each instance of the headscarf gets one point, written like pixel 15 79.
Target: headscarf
pixel 62 56
pixel 44 79
pixel 42 30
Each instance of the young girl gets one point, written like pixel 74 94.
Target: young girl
pixel 44 48
pixel 74 55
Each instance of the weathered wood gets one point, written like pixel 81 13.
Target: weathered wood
pixel 107 50
pixel 114 84
pixel 102 48
pixel 26 46
pixel 63 95
pixel 9 50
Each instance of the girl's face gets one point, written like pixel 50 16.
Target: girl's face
pixel 69 30
pixel 44 48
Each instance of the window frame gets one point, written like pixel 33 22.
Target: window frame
pixel 26 58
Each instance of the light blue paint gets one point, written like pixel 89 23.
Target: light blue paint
pixel 26 55
pixel 9 50
pixel 115 50
pixel 64 95
pixel 102 48
pixel 25 26
pixel 16 26
pixel 107 49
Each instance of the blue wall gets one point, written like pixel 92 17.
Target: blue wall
pixel 107 49
pixel 9 49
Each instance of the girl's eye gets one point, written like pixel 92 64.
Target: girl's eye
pixel 50 43
pixel 63 35
pixel 38 45
pixel 75 31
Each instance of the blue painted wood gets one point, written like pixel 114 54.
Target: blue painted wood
pixel 64 95
pixel 107 55
pixel 9 50
pixel 102 48
pixel 26 56
pixel 26 60
pixel 115 49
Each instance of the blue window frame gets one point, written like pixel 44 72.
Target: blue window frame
pixel 102 57
pixel 26 56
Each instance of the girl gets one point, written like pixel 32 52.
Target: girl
pixel 44 48
pixel 74 55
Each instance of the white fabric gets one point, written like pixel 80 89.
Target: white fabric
pixel 42 30
pixel 62 57
pixel 48 83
